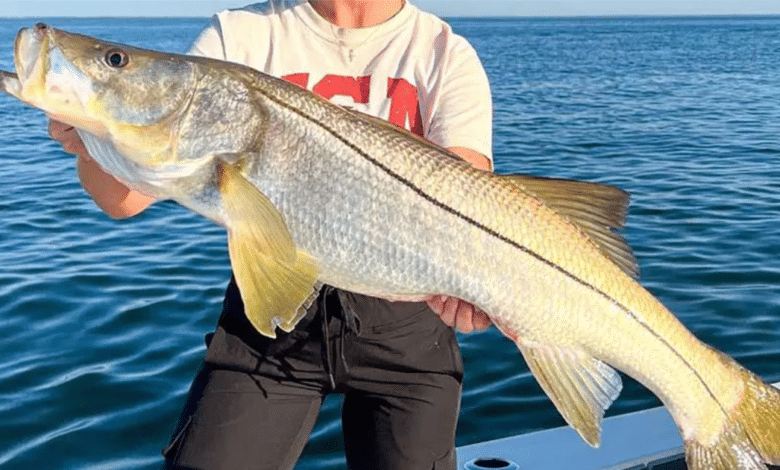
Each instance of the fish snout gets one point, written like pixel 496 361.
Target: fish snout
pixel 40 29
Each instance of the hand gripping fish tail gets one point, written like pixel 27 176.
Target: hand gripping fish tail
pixel 311 193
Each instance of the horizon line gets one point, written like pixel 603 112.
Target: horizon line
pixel 602 16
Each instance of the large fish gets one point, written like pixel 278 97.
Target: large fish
pixel 312 193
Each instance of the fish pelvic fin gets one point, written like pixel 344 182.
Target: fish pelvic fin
pixel 277 280
pixel 597 209
pixel 580 386
pixel 751 434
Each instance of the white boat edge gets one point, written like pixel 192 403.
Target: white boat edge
pixel 641 440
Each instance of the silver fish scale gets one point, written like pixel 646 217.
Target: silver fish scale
pixel 384 223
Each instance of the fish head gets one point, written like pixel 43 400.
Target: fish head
pixel 132 97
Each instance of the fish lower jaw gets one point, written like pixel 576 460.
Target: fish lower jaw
pixel 10 84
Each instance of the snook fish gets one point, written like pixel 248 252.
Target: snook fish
pixel 312 193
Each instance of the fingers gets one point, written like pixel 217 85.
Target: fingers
pixel 67 137
pixel 436 303
pixel 58 130
pixel 464 317
pixel 446 308
pixel 481 320
pixel 459 314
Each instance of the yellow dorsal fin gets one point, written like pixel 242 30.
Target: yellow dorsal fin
pixel 595 208
pixel 580 386
pixel 277 280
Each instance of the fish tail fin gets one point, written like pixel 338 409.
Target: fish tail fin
pixel 751 436
pixel 759 413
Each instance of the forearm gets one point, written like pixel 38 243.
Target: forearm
pixel 475 158
pixel 111 196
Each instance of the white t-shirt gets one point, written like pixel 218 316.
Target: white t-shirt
pixel 411 70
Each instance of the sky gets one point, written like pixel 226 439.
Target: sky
pixel 205 8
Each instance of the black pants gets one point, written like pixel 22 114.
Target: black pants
pixel 255 400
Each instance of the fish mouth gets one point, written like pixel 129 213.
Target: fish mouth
pixel 29 52
pixel 48 79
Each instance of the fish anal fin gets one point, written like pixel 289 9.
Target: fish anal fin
pixel 275 278
pixel 580 386
pixel 595 208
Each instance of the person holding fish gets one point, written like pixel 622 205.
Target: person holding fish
pixel 256 399
pixel 311 193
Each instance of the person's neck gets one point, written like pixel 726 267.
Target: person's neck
pixel 357 13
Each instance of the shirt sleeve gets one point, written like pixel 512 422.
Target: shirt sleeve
pixel 463 116
pixel 209 43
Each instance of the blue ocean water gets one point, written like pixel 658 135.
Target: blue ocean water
pixel 102 321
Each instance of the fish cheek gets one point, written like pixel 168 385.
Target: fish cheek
pixel 144 95
pixel 222 120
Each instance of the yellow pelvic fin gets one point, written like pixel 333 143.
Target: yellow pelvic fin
pixel 277 280
pixel 595 208
pixel 580 386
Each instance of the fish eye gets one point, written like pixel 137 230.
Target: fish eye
pixel 117 58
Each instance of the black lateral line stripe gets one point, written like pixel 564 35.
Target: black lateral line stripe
pixel 493 233
pixel 435 201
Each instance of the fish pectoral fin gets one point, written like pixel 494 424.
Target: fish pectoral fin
pixel 288 325
pixel 580 386
pixel 595 208
pixel 277 280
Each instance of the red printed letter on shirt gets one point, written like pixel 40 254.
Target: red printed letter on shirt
pixel 300 79
pixel 356 87
pixel 404 105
